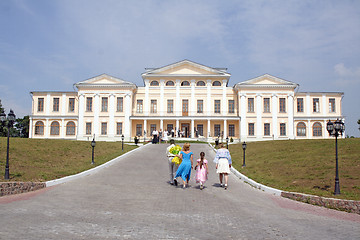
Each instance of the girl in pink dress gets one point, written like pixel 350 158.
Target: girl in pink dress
pixel 201 170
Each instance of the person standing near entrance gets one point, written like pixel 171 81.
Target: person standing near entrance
pixel 223 164
pixel 155 136
pixel 172 166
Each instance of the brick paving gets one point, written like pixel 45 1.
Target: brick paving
pixel 132 199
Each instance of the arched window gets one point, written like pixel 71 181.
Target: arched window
pixel 317 129
pixel 170 83
pixel 154 83
pixel 185 83
pixel 200 83
pixel 301 129
pixel 216 83
pixel 39 128
pixel 70 128
pixel 55 128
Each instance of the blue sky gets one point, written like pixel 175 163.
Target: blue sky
pixel 50 45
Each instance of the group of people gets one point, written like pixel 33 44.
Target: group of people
pixel 222 160
pixel 159 136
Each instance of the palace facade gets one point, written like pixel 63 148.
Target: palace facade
pixel 187 97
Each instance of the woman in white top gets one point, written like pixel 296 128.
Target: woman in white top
pixel 165 136
pixel 223 164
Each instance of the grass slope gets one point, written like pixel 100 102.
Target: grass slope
pixel 306 166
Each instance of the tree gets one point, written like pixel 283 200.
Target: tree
pixel 2 129
pixel 359 124
pixel 22 127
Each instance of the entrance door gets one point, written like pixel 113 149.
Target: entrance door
pixel 185 129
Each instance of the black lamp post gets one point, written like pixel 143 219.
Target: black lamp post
pixel 10 121
pixel 144 136
pixel 244 148
pixel 227 142
pixel 122 145
pixel 336 129
pixel 93 143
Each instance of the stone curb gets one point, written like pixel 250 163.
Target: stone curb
pixel 90 171
pixel 11 188
pixel 334 203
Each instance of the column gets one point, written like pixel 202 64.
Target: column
pixel 48 104
pixel 177 101
pixel 225 129
pixel 111 127
pixel 96 110
pixel 46 128
pixel 162 124
pixel 223 107
pixel 31 127
pixel 162 102
pixel 63 128
pixel 146 100
pixel 192 100
pixel 80 131
pixel 243 115
pixel 177 127
pixel 192 128
pixel 208 97
pixel 63 104
pixel 274 101
pixel 308 105
pixel 258 116
pixel 127 110
pixel 291 115
pixel 324 105
pixel 309 129
pixel 208 128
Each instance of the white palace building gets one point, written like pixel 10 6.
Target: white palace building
pixel 185 96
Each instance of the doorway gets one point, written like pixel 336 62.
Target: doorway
pixel 185 129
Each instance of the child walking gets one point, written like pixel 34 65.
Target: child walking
pixel 201 170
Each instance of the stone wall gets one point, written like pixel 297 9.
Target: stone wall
pixel 9 188
pixel 339 204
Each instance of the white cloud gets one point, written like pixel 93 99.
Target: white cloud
pixel 346 76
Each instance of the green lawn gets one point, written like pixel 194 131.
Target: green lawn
pixel 305 166
pixel 43 160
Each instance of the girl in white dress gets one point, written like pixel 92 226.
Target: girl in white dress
pixel 223 164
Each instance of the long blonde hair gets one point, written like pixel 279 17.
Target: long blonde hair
pixel 186 147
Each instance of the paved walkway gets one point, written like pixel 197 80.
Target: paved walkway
pixel 133 200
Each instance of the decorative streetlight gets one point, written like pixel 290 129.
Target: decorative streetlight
pixel 122 145
pixel 227 142
pixel 10 121
pixel 244 148
pixel 336 129
pixel 93 143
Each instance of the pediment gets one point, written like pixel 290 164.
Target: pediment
pixel 186 68
pixel 104 80
pixel 266 80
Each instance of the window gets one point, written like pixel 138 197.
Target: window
pixel 104 104
pixel 170 127
pixel 169 83
pixel 55 128
pixel 316 105
pixel 152 128
pixel 88 128
pixel 120 104
pixel 153 106
pixel 185 83
pixel 200 106
pixel 40 104
pixel 217 130
pixel 301 129
pixel 154 83
pixel 282 129
pixel 217 106
pixel 139 106
pixel 282 106
pixel 317 129
pixel 300 105
pixel 216 83
pixel 267 129
pixel 332 105
pixel 56 104
pixel 266 105
pixel 119 128
pixel 104 128
pixel 200 130
pixel 70 128
pixel 231 106
pixel 170 106
pixel 71 104
pixel 200 83
pixel 185 107
pixel 251 129
pixel 251 105
pixel 138 129
pixel 231 130
pixel 89 104
pixel 39 128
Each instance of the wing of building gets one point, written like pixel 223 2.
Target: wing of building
pixel 187 99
